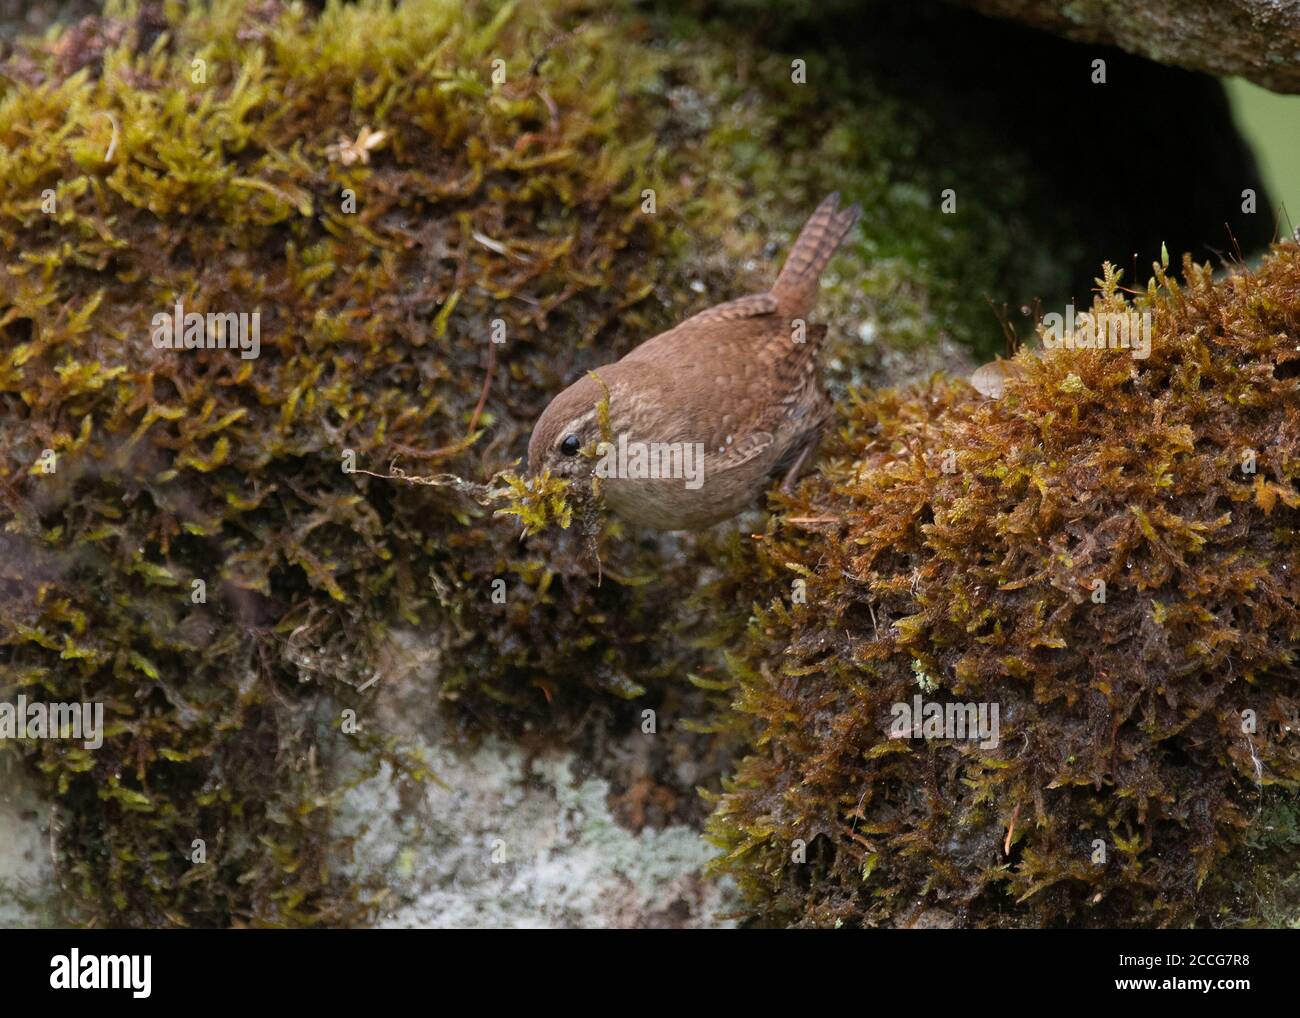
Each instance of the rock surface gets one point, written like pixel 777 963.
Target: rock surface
pixel 509 835
pixel 1256 39
pixel 26 873
pixel 514 843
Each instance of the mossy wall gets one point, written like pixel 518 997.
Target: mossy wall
pixel 357 177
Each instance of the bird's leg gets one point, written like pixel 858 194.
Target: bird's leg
pixel 792 475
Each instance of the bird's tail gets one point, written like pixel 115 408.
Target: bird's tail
pixel 796 287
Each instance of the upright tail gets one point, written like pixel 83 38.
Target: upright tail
pixel 796 287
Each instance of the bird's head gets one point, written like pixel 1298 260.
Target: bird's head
pixel 568 431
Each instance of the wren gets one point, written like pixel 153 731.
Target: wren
pixel 695 423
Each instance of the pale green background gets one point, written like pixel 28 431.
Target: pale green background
pixel 1271 125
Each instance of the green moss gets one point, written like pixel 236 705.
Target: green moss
pixel 967 539
pixel 209 159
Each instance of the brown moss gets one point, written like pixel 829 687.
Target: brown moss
pixel 953 547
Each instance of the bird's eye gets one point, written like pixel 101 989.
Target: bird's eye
pixel 570 445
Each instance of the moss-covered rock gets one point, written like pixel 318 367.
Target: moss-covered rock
pixel 210 159
pixel 1107 556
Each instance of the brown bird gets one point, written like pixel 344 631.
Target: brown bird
pixel 691 426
